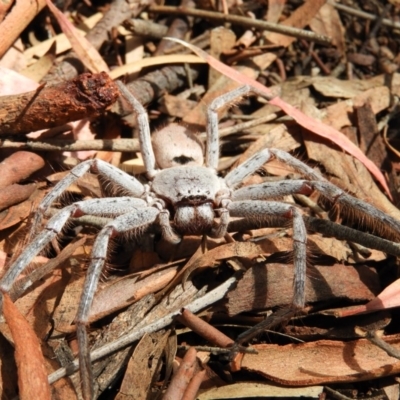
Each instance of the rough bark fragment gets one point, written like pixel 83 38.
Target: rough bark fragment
pixel 85 96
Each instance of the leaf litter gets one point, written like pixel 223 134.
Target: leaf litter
pixel 322 88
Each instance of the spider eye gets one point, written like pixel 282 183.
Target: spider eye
pixel 183 160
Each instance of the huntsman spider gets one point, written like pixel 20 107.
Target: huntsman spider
pixel 182 200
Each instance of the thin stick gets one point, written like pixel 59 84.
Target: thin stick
pixel 363 14
pixel 244 22
pixel 121 145
pixel 375 339
pixel 17 20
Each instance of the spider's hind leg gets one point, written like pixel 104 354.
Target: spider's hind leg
pixel 257 210
pixel 368 216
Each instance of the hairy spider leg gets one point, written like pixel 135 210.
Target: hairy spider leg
pixel 271 190
pixel 103 169
pixel 143 126
pixel 105 206
pixel 257 210
pixel 133 220
pixel 212 149
pixel 244 198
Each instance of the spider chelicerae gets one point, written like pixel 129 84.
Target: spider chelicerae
pixel 181 200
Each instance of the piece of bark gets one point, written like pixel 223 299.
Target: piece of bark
pixel 271 285
pixel 85 96
pixel 370 138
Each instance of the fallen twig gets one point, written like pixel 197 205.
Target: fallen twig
pixel 243 21
pixel 85 96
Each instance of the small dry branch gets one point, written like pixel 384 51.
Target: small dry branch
pixel 49 106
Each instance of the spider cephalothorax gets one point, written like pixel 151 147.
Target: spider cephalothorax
pixel 192 193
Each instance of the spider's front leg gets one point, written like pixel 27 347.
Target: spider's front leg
pixel 119 178
pixel 99 207
pixel 128 222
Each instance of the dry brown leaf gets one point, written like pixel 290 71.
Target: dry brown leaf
pixel 323 361
pixel 37 304
pixel 176 106
pixel 18 166
pixel 124 292
pixel 32 374
pixel 258 390
pixel 247 250
pixel 349 174
pixel 143 366
pixel 41 67
pixel 89 56
pixel 299 18
pixel 14 194
pixel 329 86
pixel 67 307
pixel 327 22
pixel 275 9
pixel 221 40
pixel 271 136
pixel 137 66
pixel 62 43
pixel 15 214
pixel 338 115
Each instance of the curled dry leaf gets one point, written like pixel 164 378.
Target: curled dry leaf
pixel 17 213
pixel 32 374
pixel 323 361
pixel 120 294
pixel 182 376
pixel 113 297
pixel 15 194
pixel 19 166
